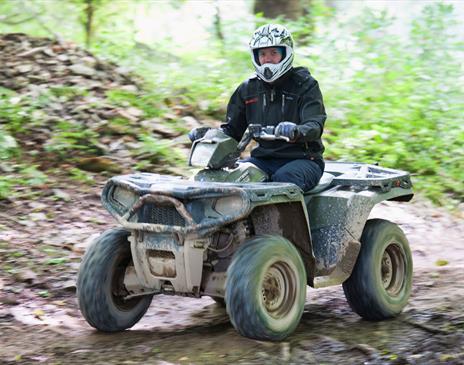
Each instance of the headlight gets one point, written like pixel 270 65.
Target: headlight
pixel 124 197
pixel 229 205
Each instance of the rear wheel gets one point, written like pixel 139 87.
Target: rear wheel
pixel 100 284
pixel 266 288
pixel 380 284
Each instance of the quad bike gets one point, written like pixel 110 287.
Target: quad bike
pixel 251 245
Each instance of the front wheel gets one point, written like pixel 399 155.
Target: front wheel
pixel 380 284
pixel 100 284
pixel 219 301
pixel 266 288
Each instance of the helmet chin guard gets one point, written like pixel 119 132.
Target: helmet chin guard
pixel 272 35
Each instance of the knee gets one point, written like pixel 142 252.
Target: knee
pixel 290 177
pixel 305 181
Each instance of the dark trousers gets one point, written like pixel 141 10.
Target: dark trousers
pixel 305 173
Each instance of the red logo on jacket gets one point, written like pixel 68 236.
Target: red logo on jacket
pixel 251 101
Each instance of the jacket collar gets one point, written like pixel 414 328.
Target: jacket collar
pixel 279 82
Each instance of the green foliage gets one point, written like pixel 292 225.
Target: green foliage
pixel 209 81
pixel 31 176
pixel 44 293
pixel 316 13
pixel 19 113
pixel 80 176
pixel 72 137
pixel 12 112
pixel 20 176
pixel 88 11
pixel 6 186
pixel 8 146
pixel 64 93
pixel 57 261
pixel 392 98
pixel 157 151
pixel 4 92
pixel 149 103
pixel 396 100
pixel 41 18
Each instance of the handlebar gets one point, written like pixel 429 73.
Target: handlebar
pixel 258 132
pixel 272 137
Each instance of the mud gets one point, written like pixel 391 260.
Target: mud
pixel 48 329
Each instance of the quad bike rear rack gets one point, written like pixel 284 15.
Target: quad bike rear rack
pixel 359 175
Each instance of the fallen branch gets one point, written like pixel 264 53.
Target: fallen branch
pixel 31 51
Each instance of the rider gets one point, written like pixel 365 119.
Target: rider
pixel 285 97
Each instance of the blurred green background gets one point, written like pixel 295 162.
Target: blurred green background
pixel 391 74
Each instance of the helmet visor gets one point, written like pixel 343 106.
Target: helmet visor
pixel 282 51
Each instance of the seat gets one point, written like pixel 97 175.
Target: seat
pixel 324 183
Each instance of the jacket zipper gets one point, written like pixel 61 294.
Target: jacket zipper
pixel 263 123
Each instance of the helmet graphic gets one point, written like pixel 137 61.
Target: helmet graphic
pixel 272 35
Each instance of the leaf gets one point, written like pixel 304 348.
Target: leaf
pixel 57 261
pixel 441 262
pixel 44 293
pixel 38 313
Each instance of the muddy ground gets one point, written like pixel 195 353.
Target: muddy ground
pixel 43 239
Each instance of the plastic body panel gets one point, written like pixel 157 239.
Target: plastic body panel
pixel 325 224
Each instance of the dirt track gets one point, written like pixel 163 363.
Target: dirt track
pixel 47 328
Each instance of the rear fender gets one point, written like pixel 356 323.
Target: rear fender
pixel 338 215
pixel 337 219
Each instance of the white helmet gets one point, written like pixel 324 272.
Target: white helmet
pixel 272 35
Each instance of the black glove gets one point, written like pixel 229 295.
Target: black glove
pixel 287 129
pixel 197 133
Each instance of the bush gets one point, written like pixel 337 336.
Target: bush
pixel 396 100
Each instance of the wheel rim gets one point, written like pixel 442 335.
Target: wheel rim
pixel 393 269
pixel 279 289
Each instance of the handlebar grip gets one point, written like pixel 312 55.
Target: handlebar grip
pixel 271 137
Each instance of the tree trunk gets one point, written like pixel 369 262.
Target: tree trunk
pixel 289 9
pixel 88 22
pixel 218 24
pixel 218 29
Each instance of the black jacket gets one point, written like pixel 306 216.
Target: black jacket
pixel 295 97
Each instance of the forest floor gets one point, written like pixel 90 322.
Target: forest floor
pixel 42 242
